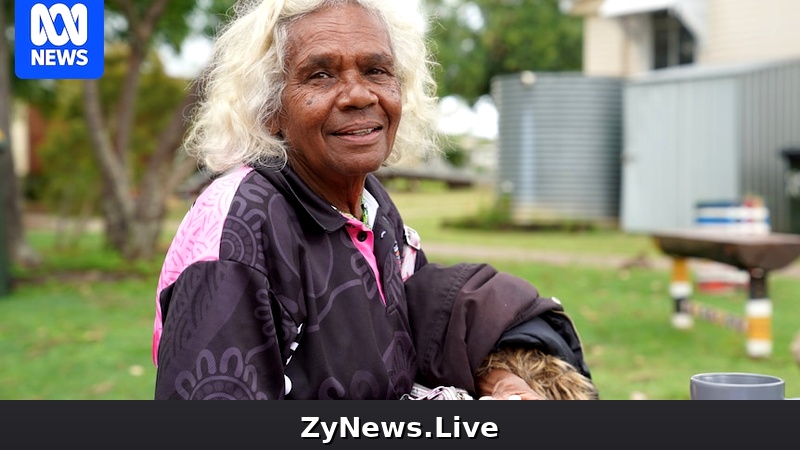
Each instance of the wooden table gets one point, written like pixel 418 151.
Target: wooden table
pixel 758 254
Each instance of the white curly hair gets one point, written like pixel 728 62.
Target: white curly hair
pixel 241 90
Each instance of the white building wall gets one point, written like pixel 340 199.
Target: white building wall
pixel 751 30
pixel 737 31
pixel 617 46
pixel 604 47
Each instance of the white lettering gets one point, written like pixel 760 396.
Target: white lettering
pixel 370 429
pixel 83 57
pixel 440 431
pixel 37 57
pixel 330 432
pixel 53 57
pixel 349 428
pixel 66 58
pixel 489 430
pixel 307 433
pixel 43 28
pixel 394 429
pixel 471 432
pixel 353 427
pixel 414 430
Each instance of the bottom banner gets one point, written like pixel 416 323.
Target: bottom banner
pixel 397 424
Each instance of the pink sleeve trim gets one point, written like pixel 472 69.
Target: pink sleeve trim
pixel 198 237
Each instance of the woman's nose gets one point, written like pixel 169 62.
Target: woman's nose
pixel 356 93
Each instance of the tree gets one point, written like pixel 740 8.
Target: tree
pixel 475 40
pixel 134 205
pixel 69 183
pixel 133 200
pixel 14 247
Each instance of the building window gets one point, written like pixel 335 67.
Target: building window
pixel 673 42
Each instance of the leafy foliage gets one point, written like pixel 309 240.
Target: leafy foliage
pixel 178 21
pixel 475 40
pixel 69 179
pixel 136 103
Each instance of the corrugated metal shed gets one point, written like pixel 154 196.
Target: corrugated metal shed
pixel 559 144
pixel 698 134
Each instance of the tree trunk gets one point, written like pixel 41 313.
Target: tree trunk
pixel 11 199
pixel 142 29
pixel 116 201
pixel 133 227
pixel 165 169
pixel 134 222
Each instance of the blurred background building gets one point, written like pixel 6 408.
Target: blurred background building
pixel 711 103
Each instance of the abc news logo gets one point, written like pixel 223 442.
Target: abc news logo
pixel 76 31
pixel 59 39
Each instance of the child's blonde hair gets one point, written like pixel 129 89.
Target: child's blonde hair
pixel 547 375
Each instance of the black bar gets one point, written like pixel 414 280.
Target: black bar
pixel 519 424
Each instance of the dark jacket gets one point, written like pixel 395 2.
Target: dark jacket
pixel 267 292
pixel 460 313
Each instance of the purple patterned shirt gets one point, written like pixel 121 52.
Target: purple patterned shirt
pixel 267 292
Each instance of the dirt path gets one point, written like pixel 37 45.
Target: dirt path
pixel 479 253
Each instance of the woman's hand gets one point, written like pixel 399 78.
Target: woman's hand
pixel 499 384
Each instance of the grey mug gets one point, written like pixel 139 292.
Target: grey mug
pixel 736 386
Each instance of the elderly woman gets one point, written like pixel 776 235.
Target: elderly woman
pixel 293 275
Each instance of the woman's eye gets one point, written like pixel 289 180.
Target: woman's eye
pixel 320 75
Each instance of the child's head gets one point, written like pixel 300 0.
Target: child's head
pixel 546 374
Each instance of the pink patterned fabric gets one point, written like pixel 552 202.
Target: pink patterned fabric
pixel 197 238
pixel 366 248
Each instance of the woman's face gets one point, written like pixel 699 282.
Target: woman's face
pixel 342 101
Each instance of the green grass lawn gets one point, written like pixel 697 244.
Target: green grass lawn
pixel 80 326
pixel 77 340
pixel 623 318
pixel 429 210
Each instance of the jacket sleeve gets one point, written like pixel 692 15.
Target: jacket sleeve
pixel 224 336
pixel 460 313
